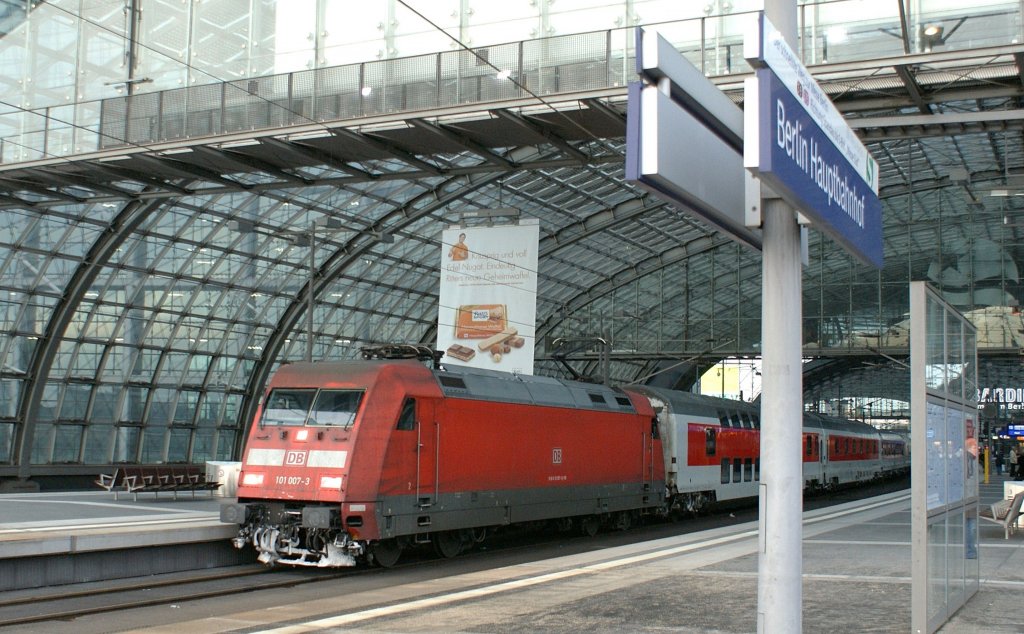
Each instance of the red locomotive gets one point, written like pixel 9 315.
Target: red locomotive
pixel 357 461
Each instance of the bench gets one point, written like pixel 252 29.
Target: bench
pixel 1006 513
pixel 156 479
pixel 111 482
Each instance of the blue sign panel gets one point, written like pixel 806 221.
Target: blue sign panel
pixel 799 161
pixel 1015 430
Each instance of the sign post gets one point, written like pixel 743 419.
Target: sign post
pixel 798 144
pixel 792 139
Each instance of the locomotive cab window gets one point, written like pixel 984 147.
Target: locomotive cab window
pixel 336 408
pixel 407 419
pixel 287 407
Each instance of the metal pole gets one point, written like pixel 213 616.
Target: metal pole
pixel 312 279
pixel 779 591
pixel 780 558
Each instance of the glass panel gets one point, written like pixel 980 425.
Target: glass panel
pixel 99 441
pixel 970 373
pixel 42 442
pixel 67 443
pixel 177 448
pixel 6 442
pixel 972 570
pixel 153 443
pixel 10 390
pixel 935 377
pixel 126 444
pixel 955 557
pixel 954 357
pixel 336 407
pixel 75 403
pixel 287 407
pixel 939 25
pixel 226 444
pixel 937 568
pixel 105 404
pixel 202 445
pixel 134 404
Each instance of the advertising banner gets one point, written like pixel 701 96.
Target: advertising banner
pixel 488 298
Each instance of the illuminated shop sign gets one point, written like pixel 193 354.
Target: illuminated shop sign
pixel 1009 397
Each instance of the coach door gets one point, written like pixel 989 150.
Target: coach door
pixel 428 447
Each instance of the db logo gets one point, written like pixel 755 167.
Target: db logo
pixel 295 458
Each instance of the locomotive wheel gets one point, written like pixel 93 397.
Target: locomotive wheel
pixel 590 525
pixel 386 552
pixel 447 544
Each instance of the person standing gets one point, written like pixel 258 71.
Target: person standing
pixel 999 463
pixel 1013 463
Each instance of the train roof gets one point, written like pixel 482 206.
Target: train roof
pixel 696 403
pixel 493 385
pixel 463 382
pixel 714 407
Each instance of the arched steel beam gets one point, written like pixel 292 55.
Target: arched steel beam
pixel 629 274
pixel 105 247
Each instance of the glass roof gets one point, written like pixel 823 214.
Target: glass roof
pixel 150 286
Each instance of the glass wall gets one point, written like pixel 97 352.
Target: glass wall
pixel 137 318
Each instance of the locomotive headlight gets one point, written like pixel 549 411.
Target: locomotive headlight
pixel 302 435
pixel 330 482
pixel 252 479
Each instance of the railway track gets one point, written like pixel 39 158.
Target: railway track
pixel 57 604
pixel 68 603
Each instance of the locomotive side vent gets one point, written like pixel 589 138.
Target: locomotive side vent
pixel 452 381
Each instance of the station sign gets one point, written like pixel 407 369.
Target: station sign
pixel 797 143
pixel 684 140
pixel 1015 431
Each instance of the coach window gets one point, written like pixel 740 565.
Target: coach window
pixel 748 469
pixel 746 420
pixel 756 420
pixel 737 470
pixel 757 469
pixel 725 471
pixel 736 421
pixel 710 441
pixel 407 419
pixel 810 445
pixel 723 419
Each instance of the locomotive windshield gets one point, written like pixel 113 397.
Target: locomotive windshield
pixel 335 408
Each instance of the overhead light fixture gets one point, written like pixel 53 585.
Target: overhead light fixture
pixel 366 91
pixel 836 34
pixel 504 74
pixel 931 36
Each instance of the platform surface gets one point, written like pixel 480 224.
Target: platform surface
pixel 856 573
